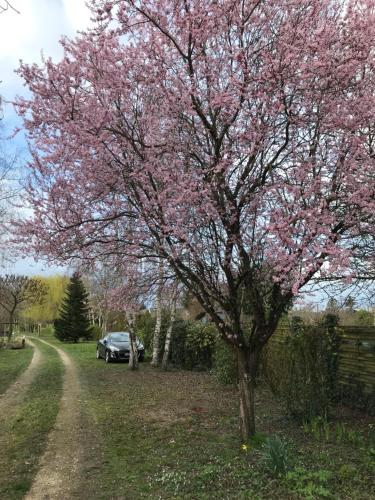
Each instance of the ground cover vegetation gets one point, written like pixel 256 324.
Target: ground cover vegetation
pixel 24 433
pixel 231 140
pixel 173 435
pixel 12 364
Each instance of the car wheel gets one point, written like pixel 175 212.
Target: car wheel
pixel 107 357
pixel 140 358
pixel 97 353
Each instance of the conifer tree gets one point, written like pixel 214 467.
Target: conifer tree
pixel 73 322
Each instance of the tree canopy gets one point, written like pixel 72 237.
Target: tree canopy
pixel 234 140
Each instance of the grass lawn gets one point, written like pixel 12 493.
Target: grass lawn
pixel 12 363
pixel 23 435
pixel 157 435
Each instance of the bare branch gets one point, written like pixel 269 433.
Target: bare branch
pixel 6 6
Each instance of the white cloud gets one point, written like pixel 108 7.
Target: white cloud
pixel 77 13
pixel 37 29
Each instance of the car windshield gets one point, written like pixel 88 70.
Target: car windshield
pixel 119 337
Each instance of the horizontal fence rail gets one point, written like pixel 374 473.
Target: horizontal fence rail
pixel 356 356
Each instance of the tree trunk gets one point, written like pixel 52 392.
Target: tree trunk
pixel 104 325
pixel 168 337
pixel 11 321
pixel 156 340
pixel 133 351
pixel 247 368
pixel 133 359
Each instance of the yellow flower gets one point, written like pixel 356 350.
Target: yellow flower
pixel 244 447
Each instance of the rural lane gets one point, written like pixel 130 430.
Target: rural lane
pixel 59 467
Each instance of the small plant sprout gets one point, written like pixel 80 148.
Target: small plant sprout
pixel 276 455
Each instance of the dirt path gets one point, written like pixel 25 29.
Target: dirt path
pixel 15 393
pixel 58 475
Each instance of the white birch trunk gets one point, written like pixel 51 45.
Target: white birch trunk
pixel 133 359
pixel 156 340
pixel 104 325
pixel 168 337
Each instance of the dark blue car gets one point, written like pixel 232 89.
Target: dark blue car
pixel 115 347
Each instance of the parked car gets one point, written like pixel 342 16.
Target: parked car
pixel 115 347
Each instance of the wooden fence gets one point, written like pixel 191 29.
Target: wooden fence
pixel 356 357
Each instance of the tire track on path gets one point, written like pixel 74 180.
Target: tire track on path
pixel 15 393
pixel 59 467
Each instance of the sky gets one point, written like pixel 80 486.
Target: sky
pixel 28 36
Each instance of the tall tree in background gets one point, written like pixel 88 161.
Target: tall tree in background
pixel 17 290
pixel 232 139
pixel 73 322
pixel 49 310
pixel 350 304
pixel 101 279
pixel 332 306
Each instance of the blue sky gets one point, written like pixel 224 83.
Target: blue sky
pixel 29 35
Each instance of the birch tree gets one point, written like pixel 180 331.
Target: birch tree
pixel 168 337
pixel 158 310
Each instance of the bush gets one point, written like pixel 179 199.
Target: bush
pixel 195 345
pixel 97 332
pixel 144 327
pixel 199 345
pixel 363 318
pixel 302 368
pixel 177 348
pixel 330 321
pixel 192 344
pixel 225 363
